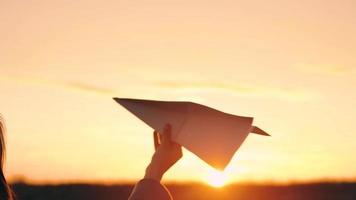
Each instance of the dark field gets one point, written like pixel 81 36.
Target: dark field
pixel 337 191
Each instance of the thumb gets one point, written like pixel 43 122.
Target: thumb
pixel 156 139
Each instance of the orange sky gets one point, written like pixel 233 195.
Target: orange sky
pixel 290 64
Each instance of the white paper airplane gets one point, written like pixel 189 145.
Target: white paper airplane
pixel 212 135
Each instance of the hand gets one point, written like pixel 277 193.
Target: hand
pixel 166 155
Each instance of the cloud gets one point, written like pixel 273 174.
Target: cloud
pixel 324 69
pixel 90 88
pixel 72 85
pixel 291 94
pixel 256 91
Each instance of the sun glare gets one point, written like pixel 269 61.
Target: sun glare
pixel 217 178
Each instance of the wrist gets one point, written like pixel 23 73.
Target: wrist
pixel 152 172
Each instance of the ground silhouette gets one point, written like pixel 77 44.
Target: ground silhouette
pixel 319 191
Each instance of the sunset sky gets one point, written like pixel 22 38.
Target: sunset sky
pixel 289 64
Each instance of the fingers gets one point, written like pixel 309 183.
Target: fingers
pixel 156 139
pixel 166 136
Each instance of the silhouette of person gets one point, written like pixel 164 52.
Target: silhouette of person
pixel 5 190
pixel 166 155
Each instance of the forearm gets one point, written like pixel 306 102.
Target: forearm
pixel 153 172
pixel 149 189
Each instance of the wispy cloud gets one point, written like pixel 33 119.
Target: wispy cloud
pixel 324 69
pixel 90 88
pixel 244 90
pixel 72 85
pixel 254 90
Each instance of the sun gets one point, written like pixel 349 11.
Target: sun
pixel 216 178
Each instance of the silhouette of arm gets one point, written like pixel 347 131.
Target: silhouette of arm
pixel 150 189
pixel 166 155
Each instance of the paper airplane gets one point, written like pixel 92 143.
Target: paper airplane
pixel 212 135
